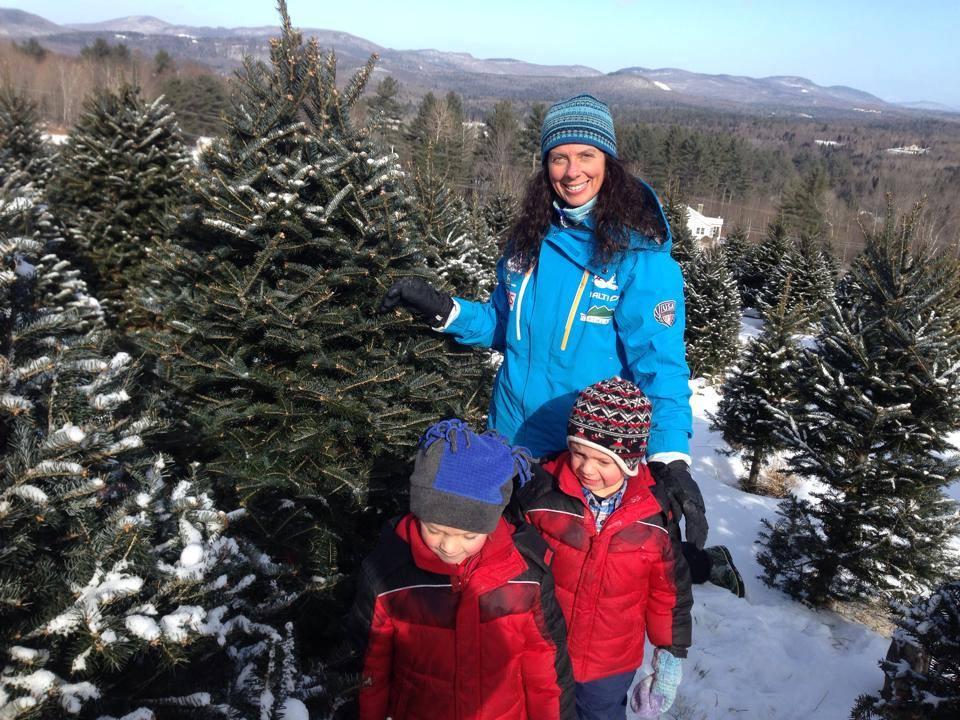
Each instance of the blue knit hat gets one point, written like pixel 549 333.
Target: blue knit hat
pixel 464 480
pixel 583 120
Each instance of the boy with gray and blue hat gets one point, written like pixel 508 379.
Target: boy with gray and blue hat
pixel 455 614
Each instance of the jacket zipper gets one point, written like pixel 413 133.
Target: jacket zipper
pixel 523 288
pixel 573 310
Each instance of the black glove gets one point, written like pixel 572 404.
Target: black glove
pixel 418 296
pixel 684 497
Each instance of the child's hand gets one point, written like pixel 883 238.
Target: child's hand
pixel 656 692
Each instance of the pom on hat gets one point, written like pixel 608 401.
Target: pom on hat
pixel 581 120
pixel 463 479
pixel 612 416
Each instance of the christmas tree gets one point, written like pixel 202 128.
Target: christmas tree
pixel 120 590
pixel 439 139
pixel 713 314
pixel 739 254
pixel 22 151
pixel 500 211
pixel 466 252
pixel 803 212
pixel 118 185
pixel 529 139
pixel 768 266
pixel 927 688
pixel 813 284
pixel 385 112
pixel 875 401
pixel 305 400
pixel 685 248
pixel 761 383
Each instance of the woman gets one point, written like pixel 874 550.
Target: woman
pixel 586 290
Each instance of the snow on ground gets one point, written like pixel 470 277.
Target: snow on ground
pixel 764 657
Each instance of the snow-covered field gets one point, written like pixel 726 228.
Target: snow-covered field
pixel 764 657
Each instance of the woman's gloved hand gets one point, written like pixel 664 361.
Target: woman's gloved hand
pixel 655 694
pixel 422 299
pixel 685 498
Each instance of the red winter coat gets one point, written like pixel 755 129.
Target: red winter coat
pixel 616 585
pixel 483 640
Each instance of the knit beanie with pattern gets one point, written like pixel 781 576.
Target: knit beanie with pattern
pixel 462 479
pixel 612 416
pixel 582 120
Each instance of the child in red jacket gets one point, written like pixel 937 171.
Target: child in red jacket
pixel 455 615
pixel 620 575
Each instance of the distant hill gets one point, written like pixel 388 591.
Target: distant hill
pixel 21 24
pixel 476 79
pixel 927 105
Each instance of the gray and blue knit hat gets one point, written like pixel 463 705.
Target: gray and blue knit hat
pixel 464 480
pixel 583 120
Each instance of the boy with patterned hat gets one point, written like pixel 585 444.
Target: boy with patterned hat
pixel 619 573
pixel 455 614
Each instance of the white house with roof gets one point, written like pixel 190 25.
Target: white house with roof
pixel 703 226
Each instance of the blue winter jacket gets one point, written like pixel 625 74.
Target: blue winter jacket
pixel 570 322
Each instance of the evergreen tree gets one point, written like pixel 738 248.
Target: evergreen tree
pixel 875 402
pixel 466 252
pixel 932 625
pixel 685 248
pixel 386 113
pixel 739 255
pixel 500 150
pixel 814 282
pixel 500 212
pixel 529 140
pixel 713 315
pixel 802 211
pixel 304 398
pixel 116 574
pixel 119 184
pixel 439 142
pixel 198 102
pixel 22 151
pixel 767 266
pixel 762 382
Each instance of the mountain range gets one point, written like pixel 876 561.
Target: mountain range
pixel 476 79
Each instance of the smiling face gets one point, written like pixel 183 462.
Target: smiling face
pixel 451 545
pixel 596 471
pixel 576 172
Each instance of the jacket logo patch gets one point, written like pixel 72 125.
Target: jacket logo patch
pixel 665 312
pixel 511 297
pixel 600 283
pixel 597 314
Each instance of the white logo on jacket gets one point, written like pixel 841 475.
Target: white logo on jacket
pixel 600 283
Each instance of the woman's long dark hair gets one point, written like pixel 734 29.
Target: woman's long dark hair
pixel 623 204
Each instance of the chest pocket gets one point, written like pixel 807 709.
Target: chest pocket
pixel 589 321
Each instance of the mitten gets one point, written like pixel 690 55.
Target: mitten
pixel 420 298
pixel 685 498
pixel 655 694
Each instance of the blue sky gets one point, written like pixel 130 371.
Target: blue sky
pixel 900 51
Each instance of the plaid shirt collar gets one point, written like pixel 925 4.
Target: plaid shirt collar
pixel 602 508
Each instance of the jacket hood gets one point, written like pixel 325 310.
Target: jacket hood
pixel 577 241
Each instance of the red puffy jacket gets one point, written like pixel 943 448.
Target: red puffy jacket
pixel 483 640
pixel 614 585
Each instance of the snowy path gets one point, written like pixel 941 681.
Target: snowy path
pixel 764 657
